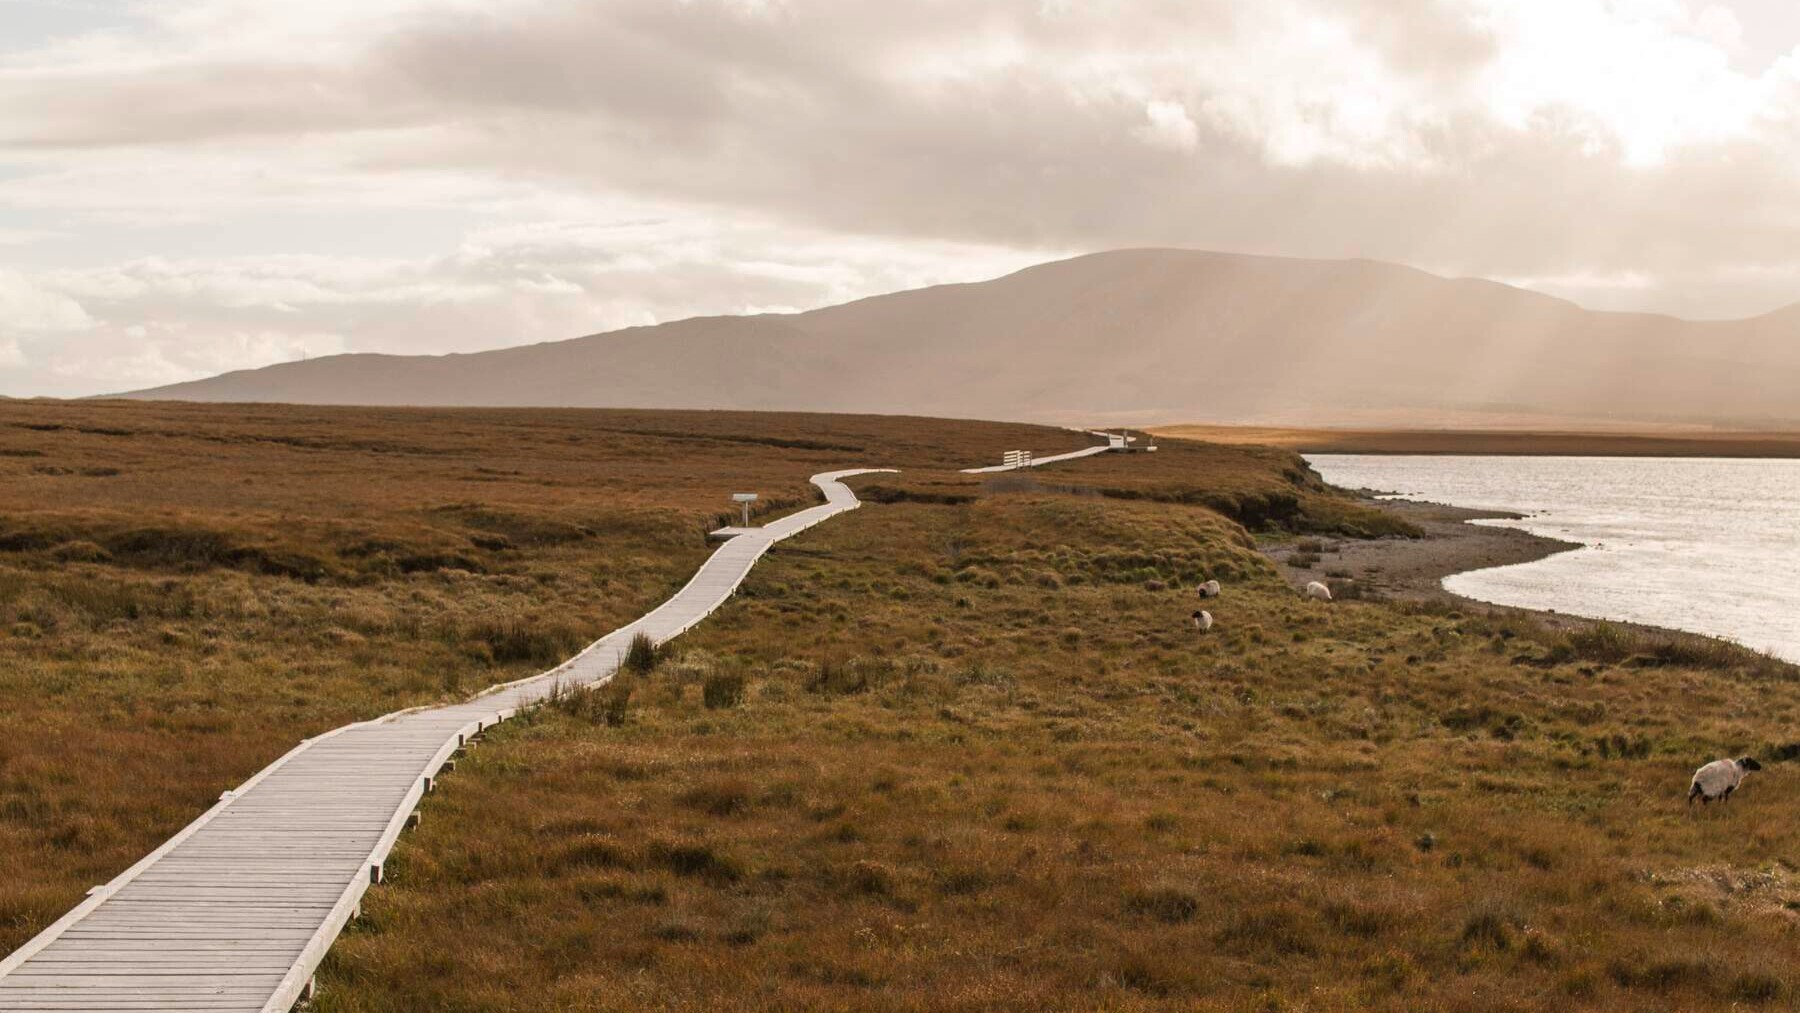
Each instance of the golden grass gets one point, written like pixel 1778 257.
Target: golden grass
pixel 1262 488
pixel 186 591
pixel 979 761
pixel 958 750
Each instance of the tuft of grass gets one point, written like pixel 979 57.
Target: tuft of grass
pixel 698 859
pixel 79 550
pixel 518 639
pixel 718 798
pixel 722 690
pixel 1756 987
pixel 640 656
pixel 608 705
pixel 1492 928
pixel 1165 903
pixel 1664 974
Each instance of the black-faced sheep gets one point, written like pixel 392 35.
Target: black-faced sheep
pixel 1210 589
pixel 1203 620
pixel 1718 779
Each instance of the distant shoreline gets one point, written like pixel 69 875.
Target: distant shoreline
pixel 1413 569
pixel 1521 442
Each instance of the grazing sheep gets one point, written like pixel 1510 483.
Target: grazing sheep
pixel 1318 591
pixel 1203 620
pixel 1718 779
pixel 1210 589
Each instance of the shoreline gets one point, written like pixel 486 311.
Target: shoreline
pixel 1398 569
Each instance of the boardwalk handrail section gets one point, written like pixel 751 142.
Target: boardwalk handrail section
pixel 236 911
pixel 1015 460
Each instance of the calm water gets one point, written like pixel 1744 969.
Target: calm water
pixel 1707 545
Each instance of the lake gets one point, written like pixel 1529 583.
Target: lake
pixel 1702 544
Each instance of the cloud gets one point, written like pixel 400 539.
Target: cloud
pixel 418 176
pixel 26 307
pixel 160 320
pixel 1718 25
pixel 20 237
pixel 1169 127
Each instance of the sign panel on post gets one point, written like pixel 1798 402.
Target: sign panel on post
pixel 745 498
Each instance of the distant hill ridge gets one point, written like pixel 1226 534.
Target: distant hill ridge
pixel 1131 335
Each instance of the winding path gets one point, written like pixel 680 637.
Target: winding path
pixel 236 911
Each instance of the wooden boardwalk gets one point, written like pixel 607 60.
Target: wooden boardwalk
pixel 1114 441
pixel 236 911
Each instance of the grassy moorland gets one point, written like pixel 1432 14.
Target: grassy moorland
pixel 960 750
pixel 186 591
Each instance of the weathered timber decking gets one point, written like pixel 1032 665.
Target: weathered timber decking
pixel 236 911
pixel 1114 441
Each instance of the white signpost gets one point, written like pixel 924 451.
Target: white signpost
pixel 745 498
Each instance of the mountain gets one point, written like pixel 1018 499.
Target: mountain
pixel 1131 335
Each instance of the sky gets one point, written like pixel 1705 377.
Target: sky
pixel 194 186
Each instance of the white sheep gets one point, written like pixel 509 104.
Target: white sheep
pixel 1210 589
pixel 1203 620
pixel 1318 591
pixel 1718 779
